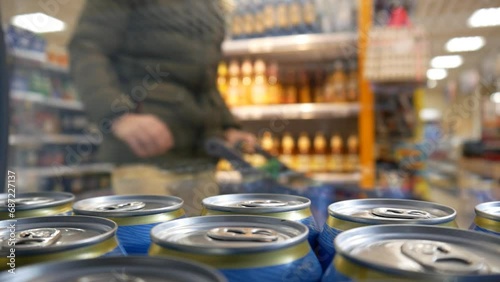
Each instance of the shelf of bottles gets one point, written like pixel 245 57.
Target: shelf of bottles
pixel 327 158
pixel 262 88
pixel 47 124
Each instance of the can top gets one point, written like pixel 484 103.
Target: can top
pixel 37 200
pixel 391 211
pixel 256 203
pixel 420 251
pixel 229 234
pixel 54 233
pixel 489 210
pixel 127 205
pixel 126 269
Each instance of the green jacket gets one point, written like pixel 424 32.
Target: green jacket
pixel 152 56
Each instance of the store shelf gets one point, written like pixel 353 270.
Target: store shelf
pixel 39 57
pixel 24 140
pixel 39 98
pixel 55 171
pixel 296 47
pixel 483 168
pixel 329 178
pixel 296 111
pixel 442 167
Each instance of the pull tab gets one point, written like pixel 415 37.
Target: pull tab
pixel 401 213
pixel 129 206
pixel 243 234
pixel 40 237
pixel 33 201
pixel 442 258
pixel 263 204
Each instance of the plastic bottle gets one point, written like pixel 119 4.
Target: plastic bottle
pixel 259 86
pixel 234 88
pixel 246 83
pixel 319 158
pixel 304 153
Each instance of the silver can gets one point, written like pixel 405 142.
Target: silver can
pixel 275 205
pixel 487 218
pixel 346 215
pixel 243 248
pixel 137 269
pixel 414 253
pixel 54 238
pixel 36 204
pixel 135 216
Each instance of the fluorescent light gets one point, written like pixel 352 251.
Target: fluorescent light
pixel 447 62
pixel 495 97
pixel 429 114
pixel 485 17
pixel 465 44
pixel 436 74
pixel 38 23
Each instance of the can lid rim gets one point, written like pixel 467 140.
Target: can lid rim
pixel 227 220
pixel 171 204
pixel 60 198
pixel 106 226
pixel 451 213
pixel 482 210
pixel 420 232
pixel 213 203
pixel 159 264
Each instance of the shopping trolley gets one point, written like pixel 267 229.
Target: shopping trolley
pixel 275 177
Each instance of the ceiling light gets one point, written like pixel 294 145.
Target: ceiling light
pixel 465 44
pixel 495 97
pixel 436 74
pixel 447 62
pixel 38 23
pixel 485 17
pixel 429 114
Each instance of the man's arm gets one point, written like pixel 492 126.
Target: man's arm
pixel 99 34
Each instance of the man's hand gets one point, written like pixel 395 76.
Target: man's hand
pixel 233 136
pixel 145 134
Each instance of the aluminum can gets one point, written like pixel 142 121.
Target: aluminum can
pixel 56 238
pixel 243 248
pixel 487 218
pixel 414 253
pixel 135 216
pixel 132 269
pixel 36 204
pixel 351 214
pixel 275 205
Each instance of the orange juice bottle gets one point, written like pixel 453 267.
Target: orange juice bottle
pixel 234 87
pixel 304 151
pixel 319 158
pixel 222 81
pixel 352 83
pixel 274 89
pixel 287 150
pixel 304 88
pixel 290 96
pixel 267 141
pixel 352 158
pixel 336 157
pixel 259 87
pixel 319 84
pixel 339 80
pixel 246 82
